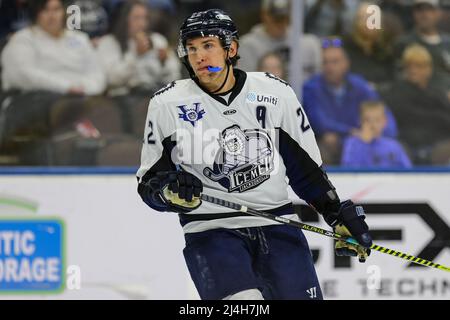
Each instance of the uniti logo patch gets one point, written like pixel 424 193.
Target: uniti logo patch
pixel 262 98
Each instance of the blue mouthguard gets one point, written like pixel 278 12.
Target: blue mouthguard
pixel 214 69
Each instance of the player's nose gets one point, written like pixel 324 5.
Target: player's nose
pixel 200 57
pixel 200 61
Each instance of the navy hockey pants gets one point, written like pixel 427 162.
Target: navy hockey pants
pixel 274 259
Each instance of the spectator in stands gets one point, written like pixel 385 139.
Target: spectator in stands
pixel 421 108
pixel 137 62
pixel 370 50
pixel 427 14
pixel 46 56
pixel 332 99
pixel 329 17
pixel 272 35
pixel 162 14
pixel 53 81
pixel 134 58
pixel 272 63
pixel 369 148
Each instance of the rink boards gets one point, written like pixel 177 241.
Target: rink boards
pixel 71 235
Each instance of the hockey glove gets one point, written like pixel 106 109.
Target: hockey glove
pixel 179 190
pixel 343 248
pixel 348 220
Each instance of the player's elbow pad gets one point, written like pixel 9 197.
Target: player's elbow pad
pixel 151 197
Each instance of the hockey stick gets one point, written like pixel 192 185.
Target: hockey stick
pixel 336 236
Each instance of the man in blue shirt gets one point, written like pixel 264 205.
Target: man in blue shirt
pixel 369 149
pixel 332 100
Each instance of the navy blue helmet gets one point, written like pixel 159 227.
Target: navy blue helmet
pixel 213 22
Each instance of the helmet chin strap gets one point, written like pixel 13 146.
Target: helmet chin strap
pixel 228 62
pixel 224 81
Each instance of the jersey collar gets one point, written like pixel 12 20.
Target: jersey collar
pixel 240 76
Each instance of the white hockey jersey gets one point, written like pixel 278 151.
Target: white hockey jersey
pixel 243 149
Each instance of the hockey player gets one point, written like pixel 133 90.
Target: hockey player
pixel 231 255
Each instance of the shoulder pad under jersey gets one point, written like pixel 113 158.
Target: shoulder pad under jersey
pixel 271 76
pixel 164 89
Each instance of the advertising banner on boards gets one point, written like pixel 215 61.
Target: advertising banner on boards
pixel 116 247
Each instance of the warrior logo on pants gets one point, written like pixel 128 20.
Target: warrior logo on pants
pixel 244 160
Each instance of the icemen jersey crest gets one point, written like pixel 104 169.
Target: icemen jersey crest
pixel 244 160
pixel 232 146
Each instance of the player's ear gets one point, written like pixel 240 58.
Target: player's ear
pixel 232 51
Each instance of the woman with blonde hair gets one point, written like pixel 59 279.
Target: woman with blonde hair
pixel 370 50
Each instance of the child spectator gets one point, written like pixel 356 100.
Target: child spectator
pixel 370 149
pixel 332 99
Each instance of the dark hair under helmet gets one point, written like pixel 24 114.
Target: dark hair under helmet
pixel 213 22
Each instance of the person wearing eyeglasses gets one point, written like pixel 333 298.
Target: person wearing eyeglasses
pixel 332 99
